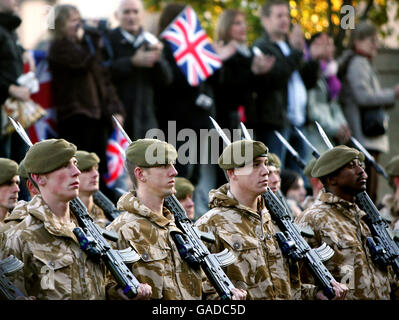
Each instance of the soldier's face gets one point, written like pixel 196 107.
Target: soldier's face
pixel 63 183
pixel 89 180
pixel 256 177
pixel 352 178
pixel 274 178
pixel 161 180
pixel 9 193
pixel 130 15
pixel 188 205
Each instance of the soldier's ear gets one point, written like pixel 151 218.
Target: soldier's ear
pixel 139 174
pixel 39 179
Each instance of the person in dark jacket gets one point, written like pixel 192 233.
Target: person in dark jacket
pixel 12 58
pixel 83 95
pixel 137 66
pixel 281 94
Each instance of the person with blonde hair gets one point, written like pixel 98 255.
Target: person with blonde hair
pixel 82 93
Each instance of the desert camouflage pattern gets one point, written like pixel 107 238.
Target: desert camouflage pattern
pixel 98 216
pixel 339 224
pixel 55 268
pixel 18 214
pixel 260 269
pixel 160 265
pixel 390 209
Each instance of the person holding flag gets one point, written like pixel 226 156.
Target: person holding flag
pixel 189 100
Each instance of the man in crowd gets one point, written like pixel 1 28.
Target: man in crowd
pixel 283 104
pixel 137 66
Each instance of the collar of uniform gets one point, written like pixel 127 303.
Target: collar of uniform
pixel 349 207
pixel 130 203
pixel 38 208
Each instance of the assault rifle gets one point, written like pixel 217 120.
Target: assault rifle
pixel 92 241
pixel 383 249
pixel 192 249
pixel 9 291
pixel 290 240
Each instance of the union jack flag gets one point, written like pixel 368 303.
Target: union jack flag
pixel 191 47
pixel 116 147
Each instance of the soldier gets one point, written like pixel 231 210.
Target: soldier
pixel 89 184
pixel 19 212
pixel 9 181
pixel 317 186
pixel 390 202
pixel 240 222
pixel 54 265
pixel 184 193
pixel 337 221
pixel 146 225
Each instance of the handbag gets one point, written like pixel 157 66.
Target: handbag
pixel 374 121
pixel 25 112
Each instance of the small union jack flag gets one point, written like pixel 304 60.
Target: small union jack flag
pixel 116 147
pixel 191 47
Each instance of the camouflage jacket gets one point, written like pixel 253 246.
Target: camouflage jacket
pixel 390 209
pixel 339 224
pixel 98 216
pixel 18 214
pixel 161 266
pixel 260 268
pixel 55 268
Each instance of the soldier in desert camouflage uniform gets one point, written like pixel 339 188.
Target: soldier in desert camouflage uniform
pixel 54 265
pixel 19 212
pixel 390 202
pixel 337 221
pixel 9 189
pixel 89 184
pixel 241 223
pixel 146 225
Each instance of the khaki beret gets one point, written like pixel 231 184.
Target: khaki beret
pixel 392 167
pixel 148 153
pixel 274 160
pixel 333 159
pixel 8 170
pixel 86 160
pixel 183 187
pixel 22 171
pixel 48 155
pixel 308 169
pixel 240 153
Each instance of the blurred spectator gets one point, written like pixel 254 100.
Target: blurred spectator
pixel 12 58
pixel 82 93
pixel 323 106
pixel 184 193
pixel 292 187
pixel 281 95
pixel 234 85
pixel 361 92
pixel 137 66
pixel 188 107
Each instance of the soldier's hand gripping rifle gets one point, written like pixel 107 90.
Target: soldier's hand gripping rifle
pixel 384 250
pixel 92 241
pixel 290 240
pixel 193 250
pixel 8 290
